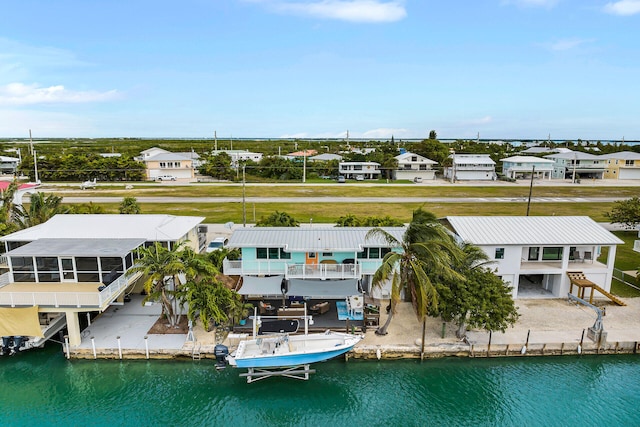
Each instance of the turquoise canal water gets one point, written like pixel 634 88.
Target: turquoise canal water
pixel 43 389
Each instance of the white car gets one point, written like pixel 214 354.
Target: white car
pixel 88 184
pixel 217 243
pixel 165 178
pixel 359 177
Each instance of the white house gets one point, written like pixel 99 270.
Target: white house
pixel 359 170
pixel 76 264
pixel 471 167
pixel 238 156
pixel 411 165
pixel 534 253
pixel 9 165
pixel 577 165
pixel 521 167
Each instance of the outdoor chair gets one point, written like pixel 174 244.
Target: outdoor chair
pixel 587 257
pixel 266 309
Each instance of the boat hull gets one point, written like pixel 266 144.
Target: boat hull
pixel 309 349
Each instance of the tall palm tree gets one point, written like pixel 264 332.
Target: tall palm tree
pixel 42 207
pixel 161 267
pixel 426 251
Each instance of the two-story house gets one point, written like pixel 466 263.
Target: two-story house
pixel 411 166
pixel 534 253
pixel 577 165
pixel 622 165
pixel 516 167
pixel 313 262
pixel 163 163
pixel 239 156
pixel 471 167
pixel 359 170
pixel 75 264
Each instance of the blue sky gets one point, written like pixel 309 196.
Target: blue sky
pixel 317 68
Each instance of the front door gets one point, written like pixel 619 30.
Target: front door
pixel 312 258
pixel 68 273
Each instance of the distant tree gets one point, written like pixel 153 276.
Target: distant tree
pixel 41 208
pixel 433 135
pixel 625 212
pixel 278 219
pixel 7 225
pixel 432 149
pixel 218 166
pixel 351 220
pixel 86 208
pixel 129 205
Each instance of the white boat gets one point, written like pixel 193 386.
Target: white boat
pixel 284 350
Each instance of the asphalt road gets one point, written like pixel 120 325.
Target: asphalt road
pixel 144 199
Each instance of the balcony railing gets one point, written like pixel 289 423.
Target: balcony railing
pixel 323 271
pixel 301 271
pixel 99 299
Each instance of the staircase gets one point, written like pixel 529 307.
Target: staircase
pixel 612 297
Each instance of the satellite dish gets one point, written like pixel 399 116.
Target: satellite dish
pixel 229 225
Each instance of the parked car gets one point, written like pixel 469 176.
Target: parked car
pixel 217 243
pixel 417 179
pixel 341 179
pixel 359 177
pixel 165 178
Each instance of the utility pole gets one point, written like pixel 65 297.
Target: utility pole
pixel 575 160
pixel 215 141
pixel 533 171
pixel 244 204
pixel 304 166
pixel 35 165
pixel 30 143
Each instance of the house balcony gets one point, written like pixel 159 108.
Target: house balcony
pixel 546 266
pixel 300 271
pixel 89 296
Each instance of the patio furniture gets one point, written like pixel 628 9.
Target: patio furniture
pixel 355 305
pixel 319 308
pixel 290 312
pixel 266 309
pixel 587 257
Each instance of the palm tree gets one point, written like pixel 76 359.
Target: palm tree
pixel 161 266
pixel 278 219
pixel 426 251
pixel 42 207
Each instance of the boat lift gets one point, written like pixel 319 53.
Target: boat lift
pixel 299 372
pixel 595 333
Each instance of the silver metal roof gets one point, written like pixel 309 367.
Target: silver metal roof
pixel 531 230
pixel 77 247
pixel 321 239
pixel 109 226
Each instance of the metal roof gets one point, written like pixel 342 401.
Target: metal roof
pixel 109 226
pixel 526 159
pixel 531 230
pixel 579 155
pixel 623 155
pixel 319 239
pixel 77 247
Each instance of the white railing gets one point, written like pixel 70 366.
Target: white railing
pixel 97 299
pixel 323 271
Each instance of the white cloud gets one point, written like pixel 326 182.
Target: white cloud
pixel 369 11
pixel 385 133
pixel 21 94
pixel 623 7
pixel 567 44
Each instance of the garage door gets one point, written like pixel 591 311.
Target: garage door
pixel 629 174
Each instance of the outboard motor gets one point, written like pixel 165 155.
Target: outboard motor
pixel 221 352
pixel 6 343
pixel 17 343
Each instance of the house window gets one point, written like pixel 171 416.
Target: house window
pixel 272 253
pixel 533 253
pixel 163 164
pixel 414 158
pixel 552 254
pixel 327 253
pixel 87 268
pixel 628 162
pixel 499 253
pixel 373 253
